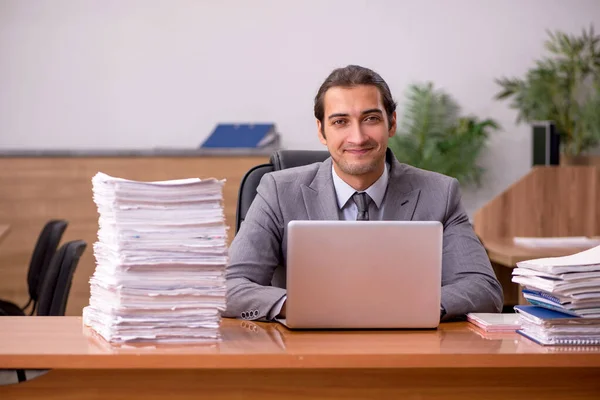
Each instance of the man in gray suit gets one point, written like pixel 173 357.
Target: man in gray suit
pixel 361 180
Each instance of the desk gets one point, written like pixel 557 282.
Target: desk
pixel 267 361
pixel 4 229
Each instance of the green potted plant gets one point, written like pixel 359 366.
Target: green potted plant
pixel 431 135
pixel 563 87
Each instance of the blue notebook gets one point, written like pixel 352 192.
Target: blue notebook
pixel 541 295
pixel 545 314
pixel 551 328
pixel 552 306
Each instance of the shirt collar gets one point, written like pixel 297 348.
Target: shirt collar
pixel 376 191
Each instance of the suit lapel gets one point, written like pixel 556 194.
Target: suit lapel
pixel 319 196
pixel 400 198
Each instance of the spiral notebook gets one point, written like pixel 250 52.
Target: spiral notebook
pixel 548 327
pixel 560 341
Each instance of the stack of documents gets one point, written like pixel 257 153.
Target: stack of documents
pixel 569 284
pixel 490 322
pixel 548 327
pixel 160 260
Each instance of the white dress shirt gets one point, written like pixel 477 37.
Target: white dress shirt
pixel 348 210
pixel 344 192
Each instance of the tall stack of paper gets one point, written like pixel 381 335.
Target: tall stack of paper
pixel 160 260
pixel 569 284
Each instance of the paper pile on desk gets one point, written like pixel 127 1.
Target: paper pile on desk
pixel 160 260
pixel 550 327
pixel 569 284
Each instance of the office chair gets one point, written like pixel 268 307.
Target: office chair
pixel 281 159
pixel 56 286
pixel 44 250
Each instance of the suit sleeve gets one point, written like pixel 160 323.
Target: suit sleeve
pixel 253 256
pixel 468 280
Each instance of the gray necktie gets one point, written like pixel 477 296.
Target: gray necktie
pixel 362 203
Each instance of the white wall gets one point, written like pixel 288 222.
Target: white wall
pixel 150 73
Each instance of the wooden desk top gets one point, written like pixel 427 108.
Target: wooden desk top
pixel 505 252
pixel 4 229
pixel 62 342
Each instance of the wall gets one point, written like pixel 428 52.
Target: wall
pixel 151 73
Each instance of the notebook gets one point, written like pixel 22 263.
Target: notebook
pixel 546 317
pixel 560 341
pixel 495 322
pixel 550 327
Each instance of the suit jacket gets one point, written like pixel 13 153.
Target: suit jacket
pixel 308 193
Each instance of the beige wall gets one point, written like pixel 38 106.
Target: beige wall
pixel 147 73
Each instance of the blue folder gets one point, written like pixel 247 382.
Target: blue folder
pixel 252 136
pixel 544 313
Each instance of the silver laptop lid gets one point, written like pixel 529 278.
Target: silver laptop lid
pixel 364 274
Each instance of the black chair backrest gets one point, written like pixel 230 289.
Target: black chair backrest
pixel 48 284
pixel 43 252
pixel 56 285
pixel 247 191
pixel 281 159
pixel 284 159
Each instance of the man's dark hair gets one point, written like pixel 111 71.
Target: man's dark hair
pixel 354 75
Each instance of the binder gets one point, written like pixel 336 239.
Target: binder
pixel 248 136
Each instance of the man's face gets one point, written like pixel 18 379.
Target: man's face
pixel 356 129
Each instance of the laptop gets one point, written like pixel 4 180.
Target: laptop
pixel 363 274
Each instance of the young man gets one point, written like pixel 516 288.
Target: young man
pixel 361 180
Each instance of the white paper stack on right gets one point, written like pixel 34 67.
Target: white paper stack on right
pixel 570 284
pixel 160 260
